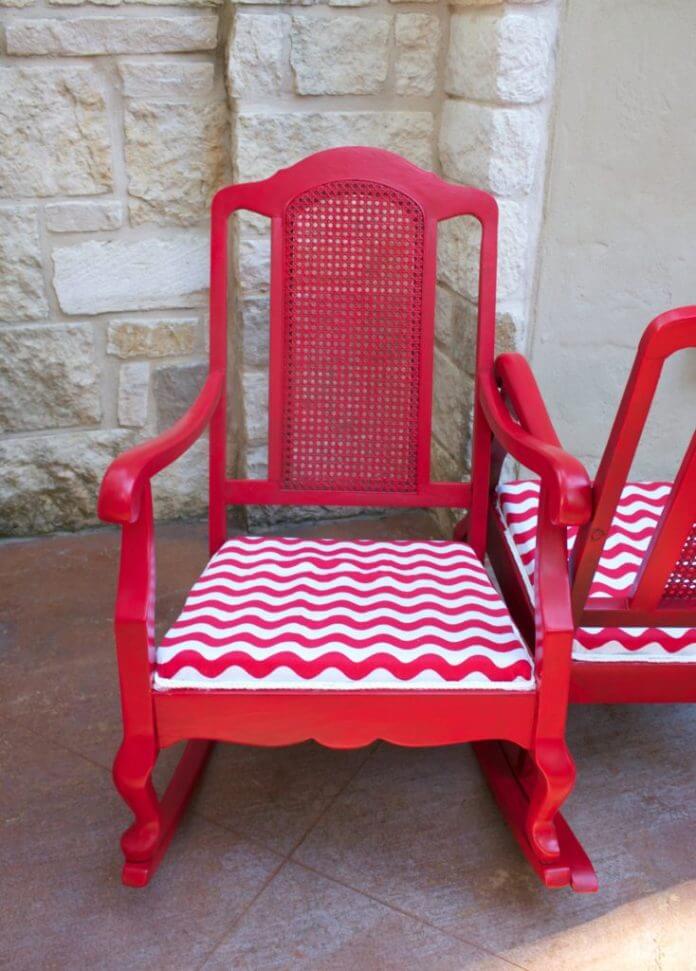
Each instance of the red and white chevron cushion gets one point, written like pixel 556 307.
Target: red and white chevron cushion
pixel 637 514
pixel 333 614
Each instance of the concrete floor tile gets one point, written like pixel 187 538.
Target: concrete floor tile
pixel 273 795
pixel 419 831
pixel 305 922
pixel 414 829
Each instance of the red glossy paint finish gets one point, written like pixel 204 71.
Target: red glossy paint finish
pixel 662 597
pixel 353 274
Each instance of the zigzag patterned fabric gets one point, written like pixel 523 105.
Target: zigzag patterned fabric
pixel 331 614
pixel 637 515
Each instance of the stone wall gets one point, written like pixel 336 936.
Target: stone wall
pixel 114 135
pixel 118 123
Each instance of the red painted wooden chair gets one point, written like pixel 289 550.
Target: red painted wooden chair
pixel 632 565
pixel 283 640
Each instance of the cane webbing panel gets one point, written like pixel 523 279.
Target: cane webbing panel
pixel 681 583
pixel 353 277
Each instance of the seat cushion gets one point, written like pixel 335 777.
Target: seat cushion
pixel 637 515
pixel 329 614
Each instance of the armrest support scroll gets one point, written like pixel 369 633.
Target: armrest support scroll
pixel 533 441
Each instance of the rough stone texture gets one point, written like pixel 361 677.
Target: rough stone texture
pixel 16 3
pixel 458 253
pixel 339 55
pixel 175 388
pixel 54 136
pixel 417 44
pixel 178 3
pixel 256 56
pixel 83 217
pixel 132 274
pixel 50 482
pixel 182 488
pixel 492 148
pixel 153 338
pixel 133 388
pixel 113 35
pixel 267 141
pixel 79 3
pixel 255 384
pixel 165 112
pixel 452 391
pixel 175 158
pixel 22 291
pixel 256 330
pixel 455 322
pixel 254 264
pixel 48 377
pixel 154 79
pixel 504 56
pixel 115 3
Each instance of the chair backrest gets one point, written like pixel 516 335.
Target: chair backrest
pixel 353 279
pixel 663 593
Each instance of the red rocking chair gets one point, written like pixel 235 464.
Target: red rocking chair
pixel 632 565
pixel 283 640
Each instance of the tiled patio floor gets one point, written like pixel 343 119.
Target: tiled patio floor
pixel 303 858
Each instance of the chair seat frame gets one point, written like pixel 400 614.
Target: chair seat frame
pixel 625 681
pixel 518 735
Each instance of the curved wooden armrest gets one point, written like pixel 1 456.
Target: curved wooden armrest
pixel 533 441
pixel 122 486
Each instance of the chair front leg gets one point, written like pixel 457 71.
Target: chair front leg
pixel 135 645
pixel 145 841
pixel 555 770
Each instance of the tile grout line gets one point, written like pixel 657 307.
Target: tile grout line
pixel 288 857
pixel 242 914
pixel 371 749
pixel 407 913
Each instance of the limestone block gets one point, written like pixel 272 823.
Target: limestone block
pixel 148 79
pixel 128 34
pixel 175 159
pixel 175 388
pixel 54 132
pixel 459 248
pixel 182 488
pixel 452 395
pixel 503 56
pixel 496 149
pixel 417 43
pixel 256 56
pixel 256 330
pixel 48 377
pixel 98 276
pixel 50 482
pixel 254 265
pixel 339 55
pixel 133 388
pixel 83 217
pixel 267 141
pixel 255 385
pixel 22 292
pixel 159 337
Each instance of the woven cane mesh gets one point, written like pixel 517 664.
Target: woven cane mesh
pixel 681 583
pixel 353 267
